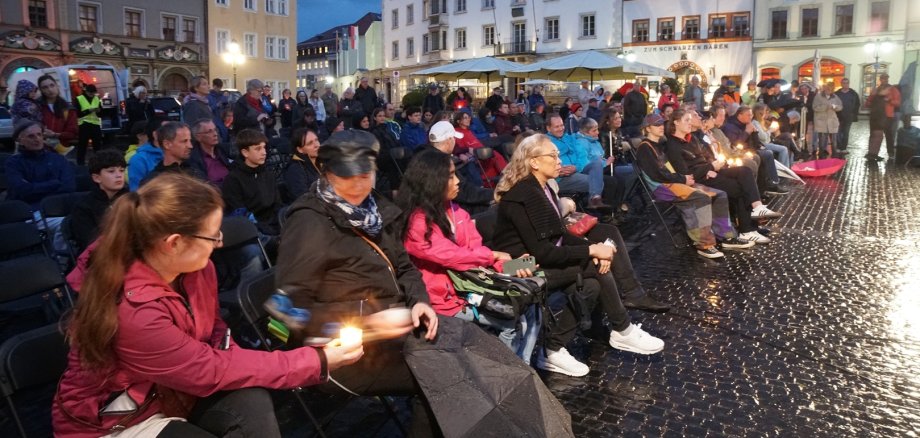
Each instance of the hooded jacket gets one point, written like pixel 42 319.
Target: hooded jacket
pixel 33 175
pixel 141 163
pixel 195 108
pixel 167 343
pixel 299 175
pixel 327 268
pixel 254 190
pixel 87 214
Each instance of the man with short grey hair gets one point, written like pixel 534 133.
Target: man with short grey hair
pixel 694 93
pixel 366 96
pixel 350 110
pixel 248 112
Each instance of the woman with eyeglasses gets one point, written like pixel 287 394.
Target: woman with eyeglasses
pixel 530 222
pixel 149 354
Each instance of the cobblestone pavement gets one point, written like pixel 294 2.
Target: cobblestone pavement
pixel 816 334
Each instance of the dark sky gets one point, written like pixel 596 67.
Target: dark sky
pixel 315 16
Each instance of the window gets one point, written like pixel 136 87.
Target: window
pixel 410 14
pixel 587 26
pixel 132 23
pixel 778 22
pixel 249 5
pixel 271 7
pixel 221 2
pixel 488 4
pixel 169 28
pixel 879 18
pixel 249 44
pixel 488 35
pixel 283 7
pixel 640 31
pixel 810 22
pixel 665 29
pixel 691 28
pixel 551 29
pixel 223 38
pixel 282 49
pixel 741 25
pixel 189 27
pixel 843 22
pixel 270 42
pixel 460 39
pixel 38 13
pixel 89 18
pixel 410 47
pixel 395 49
pixel 425 43
pixel 394 17
pixel 461 5
pixel 717 26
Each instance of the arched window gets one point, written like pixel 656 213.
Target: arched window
pixel 769 73
pixel 831 71
pixel 173 83
pixel 870 77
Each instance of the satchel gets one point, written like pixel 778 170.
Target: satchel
pixel 499 295
pixel 579 223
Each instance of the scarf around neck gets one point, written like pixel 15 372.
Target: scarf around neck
pixel 364 217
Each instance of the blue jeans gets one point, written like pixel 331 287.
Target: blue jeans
pixel 823 138
pixel 768 164
pixel 782 153
pixel 520 336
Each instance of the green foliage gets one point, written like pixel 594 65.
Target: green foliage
pixel 676 87
pixel 415 96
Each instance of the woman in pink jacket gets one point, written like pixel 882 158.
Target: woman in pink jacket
pixel 440 236
pixel 150 356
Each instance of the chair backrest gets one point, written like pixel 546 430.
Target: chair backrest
pixel 251 295
pixel 30 275
pixel 32 358
pixel 238 231
pixel 15 210
pixel 20 238
pixel 60 205
pixel 485 224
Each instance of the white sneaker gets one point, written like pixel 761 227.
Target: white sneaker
pixel 753 236
pixel 561 362
pixel 637 341
pixel 763 212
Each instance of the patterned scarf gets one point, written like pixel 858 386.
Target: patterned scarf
pixel 364 217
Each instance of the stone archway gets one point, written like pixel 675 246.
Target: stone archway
pixel 832 70
pixel 173 81
pixel 25 62
pixel 684 70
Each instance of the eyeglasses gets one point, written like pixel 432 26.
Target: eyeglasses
pixel 554 155
pixel 217 241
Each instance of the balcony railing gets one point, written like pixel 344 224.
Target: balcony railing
pixel 437 20
pixel 516 47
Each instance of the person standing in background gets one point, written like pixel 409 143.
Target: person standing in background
pixel 89 124
pixel 849 114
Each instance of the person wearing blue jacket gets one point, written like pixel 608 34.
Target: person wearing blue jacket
pixel 36 172
pixel 413 135
pixel 577 174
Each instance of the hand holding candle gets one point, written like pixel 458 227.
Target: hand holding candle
pixel 351 336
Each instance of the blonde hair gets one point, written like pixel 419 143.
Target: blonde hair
pixel 519 167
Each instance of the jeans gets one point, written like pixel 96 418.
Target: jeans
pixel 782 153
pixel 240 413
pixel 520 336
pixel 823 139
pixel 595 172
pixel 843 135
pixel 768 166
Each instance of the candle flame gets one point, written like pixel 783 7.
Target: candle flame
pixel 351 336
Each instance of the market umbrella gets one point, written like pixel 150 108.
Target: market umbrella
pixel 771 82
pixel 815 168
pixel 587 65
pixel 473 68
pixel 476 386
pixel 538 82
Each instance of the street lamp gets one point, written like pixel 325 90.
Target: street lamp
pixel 876 48
pixel 234 57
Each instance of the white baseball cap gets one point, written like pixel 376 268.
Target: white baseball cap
pixel 442 131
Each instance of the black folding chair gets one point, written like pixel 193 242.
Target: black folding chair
pixel 19 239
pixel 15 211
pixel 31 275
pixel 36 357
pixel 398 155
pixel 661 208
pixel 238 232
pixel 251 295
pixel 59 205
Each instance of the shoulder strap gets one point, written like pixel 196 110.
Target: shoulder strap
pixel 376 249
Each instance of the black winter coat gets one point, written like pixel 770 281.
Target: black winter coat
pixel 651 159
pixel 299 175
pixel 326 267
pixel 528 224
pixel 689 157
pixel 87 216
pixel 255 191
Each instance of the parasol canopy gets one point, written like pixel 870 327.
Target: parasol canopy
pixel 474 68
pixel 587 65
pixel 771 82
pixel 477 387
pixel 816 168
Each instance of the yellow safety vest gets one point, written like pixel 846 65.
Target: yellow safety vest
pixel 85 106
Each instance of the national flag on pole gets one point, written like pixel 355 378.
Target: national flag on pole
pixel 353 34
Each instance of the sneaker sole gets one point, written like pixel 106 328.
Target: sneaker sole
pixel 771 193
pixel 710 256
pixel 768 216
pixel 630 348
pixel 735 247
pixel 553 368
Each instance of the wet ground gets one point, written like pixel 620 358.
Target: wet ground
pixel 816 334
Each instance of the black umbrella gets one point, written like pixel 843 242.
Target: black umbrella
pixel 477 387
pixel 771 82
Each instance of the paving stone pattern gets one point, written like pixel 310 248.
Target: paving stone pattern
pixel 816 334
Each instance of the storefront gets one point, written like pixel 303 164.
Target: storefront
pixel 707 60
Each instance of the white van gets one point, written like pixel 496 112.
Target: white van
pixel 111 86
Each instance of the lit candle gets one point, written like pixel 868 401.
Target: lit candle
pixel 748 154
pixel 739 147
pixel 720 157
pixel 350 336
pixel 774 126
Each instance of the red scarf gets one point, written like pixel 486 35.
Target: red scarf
pixel 255 103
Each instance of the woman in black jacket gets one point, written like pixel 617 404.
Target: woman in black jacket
pixel 690 154
pixel 530 222
pixel 301 172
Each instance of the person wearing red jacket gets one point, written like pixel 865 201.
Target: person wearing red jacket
pixel 59 118
pixel 149 353
pixel 440 236
pixel 491 167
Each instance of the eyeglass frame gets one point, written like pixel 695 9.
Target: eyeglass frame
pixel 216 241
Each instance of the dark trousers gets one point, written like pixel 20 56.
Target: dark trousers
pixel 241 413
pixel 600 289
pixel 87 132
pixel 383 371
pixel 622 268
pixel 843 135
pixel 738 183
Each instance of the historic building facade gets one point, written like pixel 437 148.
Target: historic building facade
pixel 161 44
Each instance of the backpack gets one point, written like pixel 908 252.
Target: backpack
pixel 499 295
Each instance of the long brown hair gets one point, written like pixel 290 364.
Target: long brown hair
pixel 670 128
pixel 168 204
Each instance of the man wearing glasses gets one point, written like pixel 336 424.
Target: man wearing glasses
pixel 208 156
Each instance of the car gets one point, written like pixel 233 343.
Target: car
pixel 167 106
pixel 6 127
